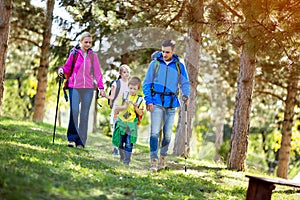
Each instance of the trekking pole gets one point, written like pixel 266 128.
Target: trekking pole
pixel 185 98
pixel 60 80
pixel 97 97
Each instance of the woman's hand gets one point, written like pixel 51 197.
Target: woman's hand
pixel 102 93
pixel 60 72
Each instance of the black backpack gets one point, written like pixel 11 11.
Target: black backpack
pixel 111 102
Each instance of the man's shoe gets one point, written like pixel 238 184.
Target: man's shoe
pixel 162 162
pixel 71 144
pixel 79 147
pixel 153 167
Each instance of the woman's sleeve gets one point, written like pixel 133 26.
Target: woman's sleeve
pixel 98 72
pixel 68 65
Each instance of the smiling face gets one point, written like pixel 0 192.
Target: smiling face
pixel 125 73
pixel 86 43
pixel 133 89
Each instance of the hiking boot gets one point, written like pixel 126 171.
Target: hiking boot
pixel 71 144
pixel 153 167
pixel 121 151
pixel 162 162
pixel 115 151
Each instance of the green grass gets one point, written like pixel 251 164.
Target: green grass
pixel 31 167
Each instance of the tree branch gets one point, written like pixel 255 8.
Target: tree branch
pixel 230 9
pixel 270 93
pixel 179 14
pixel 25 39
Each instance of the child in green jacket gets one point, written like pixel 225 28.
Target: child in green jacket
pixel 129 109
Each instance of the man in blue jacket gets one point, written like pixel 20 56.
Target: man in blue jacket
pixel 165 75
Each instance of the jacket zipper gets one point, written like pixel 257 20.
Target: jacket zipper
pixel 84 61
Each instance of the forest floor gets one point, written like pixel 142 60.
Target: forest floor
pixel 32 167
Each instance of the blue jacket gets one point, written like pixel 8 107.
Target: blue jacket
pixel 165 82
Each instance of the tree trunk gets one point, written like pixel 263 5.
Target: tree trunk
pixel 218 109
pixel 40 98
pixel 6 12
pixel 284 152
pixel 219 139
pixel 241 119
pixel 192 59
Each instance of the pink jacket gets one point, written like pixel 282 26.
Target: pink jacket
pixel 82 76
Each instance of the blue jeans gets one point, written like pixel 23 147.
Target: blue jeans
pixel 77 132
pixel 126 147
pixel 161 117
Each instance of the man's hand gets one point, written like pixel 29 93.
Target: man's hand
pixel 150 107
pixel 185 99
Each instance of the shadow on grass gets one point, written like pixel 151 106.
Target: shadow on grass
pixel 32 168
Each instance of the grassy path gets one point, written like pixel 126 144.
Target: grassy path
pixel 31 167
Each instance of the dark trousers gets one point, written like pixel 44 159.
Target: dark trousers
pixel 126 147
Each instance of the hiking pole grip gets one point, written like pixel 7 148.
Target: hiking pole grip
pixel 184 99
pixel 60 80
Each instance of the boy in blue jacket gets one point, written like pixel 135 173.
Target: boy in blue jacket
pixel 165 76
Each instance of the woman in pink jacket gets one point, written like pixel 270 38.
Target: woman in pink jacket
pixel 83 79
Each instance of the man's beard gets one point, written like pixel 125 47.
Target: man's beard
pixel 169 59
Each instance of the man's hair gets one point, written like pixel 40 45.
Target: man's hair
pixel 135 81
pixel 168 43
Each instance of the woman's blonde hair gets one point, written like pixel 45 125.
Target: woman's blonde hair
pixel 123 67
pixel 84 35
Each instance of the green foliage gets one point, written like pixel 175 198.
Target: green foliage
pixel 223 150
pixel 33 168
pixel 21 92
pixel 110 21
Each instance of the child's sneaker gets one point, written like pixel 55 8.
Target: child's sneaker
pixel 115 151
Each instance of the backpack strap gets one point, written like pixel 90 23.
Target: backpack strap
pixel 178 71
pixel 75 56
pixel 156 67
pixel 118 83
pixel 164 93
pixel 66 84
